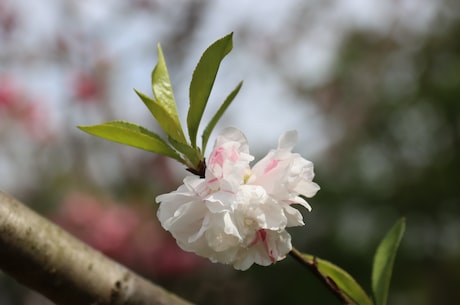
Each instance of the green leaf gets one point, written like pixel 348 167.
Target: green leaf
pixel 203 80
pixel 168 123
pixel 132 135
pixel 163 107
pixel 384 260
pixel 192 154
pixel 342 279
pixel 218 115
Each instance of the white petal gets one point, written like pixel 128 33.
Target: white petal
pixel 302 202
pixel 231 134
pixel 294 217
pixel 288 140
pixel 220 202
pixel 223 234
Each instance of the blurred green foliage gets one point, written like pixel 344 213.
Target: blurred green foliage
pixel 395 101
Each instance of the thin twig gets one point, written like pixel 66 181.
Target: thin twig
pixel 326 280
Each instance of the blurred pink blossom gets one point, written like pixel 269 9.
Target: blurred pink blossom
pixel 30 112
pixel 9 93
pixel 88 87
pixel 128 234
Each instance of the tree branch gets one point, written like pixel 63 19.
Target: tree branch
pixel 40 255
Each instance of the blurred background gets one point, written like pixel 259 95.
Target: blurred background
pixel 373 87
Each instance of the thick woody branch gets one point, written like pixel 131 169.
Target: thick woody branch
pixel 40 255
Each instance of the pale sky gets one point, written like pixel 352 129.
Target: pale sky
pixel 264 109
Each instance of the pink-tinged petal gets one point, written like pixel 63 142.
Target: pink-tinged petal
pixel 274 159
pixel 228 163
pixel 268 247
pixel 261 238
pixel 231 134
pixel 284 174
pixel 271 165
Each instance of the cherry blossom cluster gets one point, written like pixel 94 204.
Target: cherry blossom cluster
pixel 237 214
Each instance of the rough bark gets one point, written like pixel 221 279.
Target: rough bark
pixel 43 257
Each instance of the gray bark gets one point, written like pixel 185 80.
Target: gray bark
pixel 43 257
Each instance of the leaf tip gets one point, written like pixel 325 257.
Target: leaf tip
pixel 159 49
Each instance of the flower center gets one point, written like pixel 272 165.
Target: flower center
pixel 248 222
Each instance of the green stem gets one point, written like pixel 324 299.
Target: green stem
pixel 326 280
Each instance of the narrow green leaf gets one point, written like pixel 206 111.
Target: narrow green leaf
pixel 169 123
pixel 384 260
pixel 218 115
pixel 203 80
pixel 344 281
pixel 192 154
pixel 132 135
pixel 163 107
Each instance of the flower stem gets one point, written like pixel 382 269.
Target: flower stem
pixel 200 169
pixel 326 280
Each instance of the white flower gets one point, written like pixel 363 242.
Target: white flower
pixel 238 215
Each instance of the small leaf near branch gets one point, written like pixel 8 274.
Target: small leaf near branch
pixel 383 262
pixel 218 115
pixel 132 135
pixel 203 80
pixel 339 279
pixel 193 155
